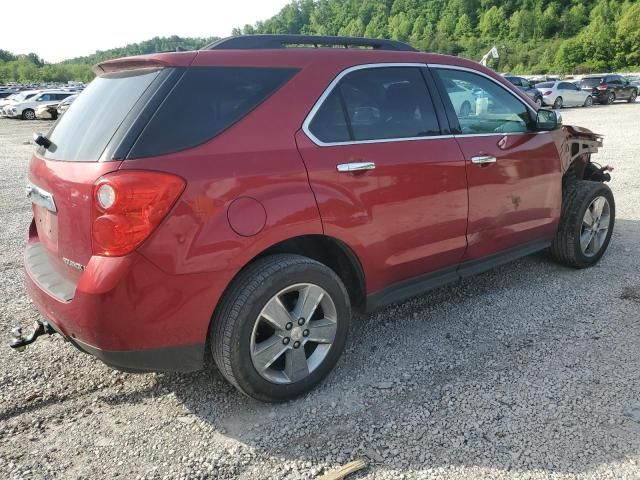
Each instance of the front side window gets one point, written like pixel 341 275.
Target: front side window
pixel 379 103
pixel 492 108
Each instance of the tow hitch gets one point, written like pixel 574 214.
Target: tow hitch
pixel 19 341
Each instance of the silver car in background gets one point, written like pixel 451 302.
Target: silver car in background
pixel 560 94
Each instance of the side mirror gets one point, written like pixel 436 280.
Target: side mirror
pixel 547 120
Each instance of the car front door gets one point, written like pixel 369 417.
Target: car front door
pixel 567 94
pixel 625 88
pixel 513 171
pixel 388 181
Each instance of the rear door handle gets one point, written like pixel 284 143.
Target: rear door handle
pixel 482 159
pixel 356 166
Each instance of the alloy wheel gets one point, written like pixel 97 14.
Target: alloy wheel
pixel 595 225
pixel 293 333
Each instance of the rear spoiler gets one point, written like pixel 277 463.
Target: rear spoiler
pixel 144 62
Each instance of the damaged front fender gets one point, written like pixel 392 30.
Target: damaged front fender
pixel 577 144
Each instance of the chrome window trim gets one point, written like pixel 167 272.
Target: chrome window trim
pixel 316 106
pixel 444 66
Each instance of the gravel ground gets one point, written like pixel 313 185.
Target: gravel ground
pixel 531 371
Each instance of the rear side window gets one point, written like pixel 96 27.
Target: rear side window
pixel 381 103
pixel 205 102
pixel 330 124
pixel 84 131
pixel 545 85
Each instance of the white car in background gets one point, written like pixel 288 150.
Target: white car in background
pixel 26 108
pixel 16 97
pixel 560 94
pixel 462 97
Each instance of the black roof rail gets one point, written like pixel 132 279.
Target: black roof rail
pixel 257 42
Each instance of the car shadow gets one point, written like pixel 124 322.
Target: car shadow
pixel 451 377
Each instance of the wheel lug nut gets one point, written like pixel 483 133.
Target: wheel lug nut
pixel 286 340
pixel 305 333
pixel 301 321
pixel 296 344
pixel 289 326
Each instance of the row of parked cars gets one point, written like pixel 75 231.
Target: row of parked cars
pixel 41 104
pixel 604 89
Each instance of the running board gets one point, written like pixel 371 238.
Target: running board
pixel 405 289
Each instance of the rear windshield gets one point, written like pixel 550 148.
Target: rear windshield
pixel 545 85
pixel 205 102
pixel 84 131
pixel 591 82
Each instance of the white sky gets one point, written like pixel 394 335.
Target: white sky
pixel 61 29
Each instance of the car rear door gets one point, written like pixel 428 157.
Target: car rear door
pixel 513 171
pixel 389 180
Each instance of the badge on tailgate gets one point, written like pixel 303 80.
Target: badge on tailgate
pixel 41 197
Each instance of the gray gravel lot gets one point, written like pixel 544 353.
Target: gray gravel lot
pixel 531 371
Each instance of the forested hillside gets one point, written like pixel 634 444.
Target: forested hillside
pixel 531 35
pixel 31 68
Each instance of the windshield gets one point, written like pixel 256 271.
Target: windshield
pixel 545 85
pixel 84 131
pixel 592 82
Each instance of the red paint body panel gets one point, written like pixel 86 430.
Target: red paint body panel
pixel 68 233
pixel 518 198
pixel 408 217
pixel 405 218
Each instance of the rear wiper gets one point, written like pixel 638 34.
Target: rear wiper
pixel 42 140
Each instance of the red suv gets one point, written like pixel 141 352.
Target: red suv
pixel 245 198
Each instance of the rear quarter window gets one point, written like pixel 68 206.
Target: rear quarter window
pixel 205 102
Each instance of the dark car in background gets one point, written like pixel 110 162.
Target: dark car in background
pixel 527 87
pixel 609 88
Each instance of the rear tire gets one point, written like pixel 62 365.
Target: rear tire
pixel 250 311
pixel 611 98
pixel 557 104
pixel 633 96
pixel 581 239
pixel 588 101
pixel 28 114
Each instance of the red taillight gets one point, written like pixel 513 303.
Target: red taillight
pixel 602 87
pixel 128 206
pixel 547 93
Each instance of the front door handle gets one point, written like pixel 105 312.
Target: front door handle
pixel 356 166
pixel 482 159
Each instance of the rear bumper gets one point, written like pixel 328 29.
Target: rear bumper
pixel 601 96
pixel 130 314
pixel 184 358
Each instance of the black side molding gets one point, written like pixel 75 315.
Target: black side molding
pixel 417 286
